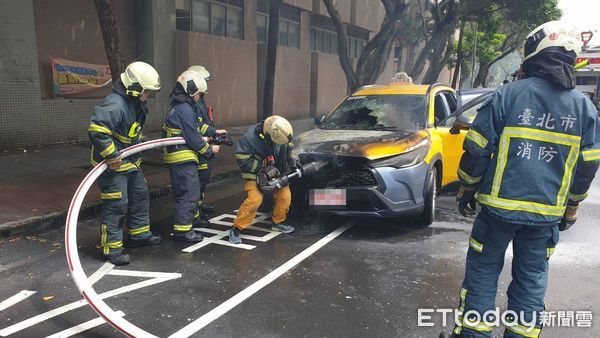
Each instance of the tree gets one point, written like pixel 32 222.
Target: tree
pixel 110 35
pixel 376 53
pixel 272 41
pixel 514 21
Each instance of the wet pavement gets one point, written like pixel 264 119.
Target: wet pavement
pixel 368 281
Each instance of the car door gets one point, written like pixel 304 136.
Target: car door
pixel 452 143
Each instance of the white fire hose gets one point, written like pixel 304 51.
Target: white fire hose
pixel 79 277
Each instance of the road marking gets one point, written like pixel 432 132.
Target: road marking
pixel 221 236
pixel 82 327
pixel 104 269
pixel 15 299
pixel 77 304
pixel 234 301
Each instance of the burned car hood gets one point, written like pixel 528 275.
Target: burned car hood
pixel 370 144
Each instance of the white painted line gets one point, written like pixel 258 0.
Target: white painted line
pixel 264 238
pixel 82 327
pixel 209 231
pixel 146 274
pixel 262 228
pixel 24 294
pixel 104 269
pixel 234 301
pixel 238 246
pixel 72 306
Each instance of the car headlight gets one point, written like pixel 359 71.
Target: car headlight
pixel 408 159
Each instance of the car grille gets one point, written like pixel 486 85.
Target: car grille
pixel 340 172
pixel 360 177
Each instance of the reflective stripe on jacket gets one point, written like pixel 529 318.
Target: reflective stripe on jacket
pixel 254 147
pixel 181 120
pixel 117 124
pixel 531 148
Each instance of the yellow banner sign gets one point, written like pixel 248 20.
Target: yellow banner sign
pixel 72 77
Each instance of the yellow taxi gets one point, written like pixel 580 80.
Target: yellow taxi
pixel 384 151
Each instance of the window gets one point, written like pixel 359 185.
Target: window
pixel 357 40
pixel 586 80
pixel 289 24
pixel 323 37
pixel 218 17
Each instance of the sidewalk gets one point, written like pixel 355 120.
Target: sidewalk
pixel 36 186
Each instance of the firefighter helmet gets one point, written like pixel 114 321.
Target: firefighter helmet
pixel 140 76
pixel 192 83
pixel 202 71
pixel 278 129
pixel 550 37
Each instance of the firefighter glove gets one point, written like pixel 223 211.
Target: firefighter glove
pixel 465 200
pixel 570 216
pixel 114 163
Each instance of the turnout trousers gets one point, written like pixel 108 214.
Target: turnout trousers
pixel 186 190
pixel 247 211
pixel 204 170
pixel 123 195
pixel 532 248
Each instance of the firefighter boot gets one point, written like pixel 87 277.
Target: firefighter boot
pixel 208 209
pixel 152 240
pixel 189 236
pixel 118 258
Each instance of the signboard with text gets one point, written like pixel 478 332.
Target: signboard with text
pixel 72 77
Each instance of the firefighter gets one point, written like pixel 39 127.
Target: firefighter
pixel 117 124
pixel 530 156
pixel 183 160
pixel 269 143
pixel 207 128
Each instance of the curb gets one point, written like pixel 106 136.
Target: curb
pixel 57 219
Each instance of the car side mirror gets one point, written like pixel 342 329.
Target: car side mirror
pixel 461 123
pixel 318 119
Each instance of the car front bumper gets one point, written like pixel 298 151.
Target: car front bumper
pixel 400 191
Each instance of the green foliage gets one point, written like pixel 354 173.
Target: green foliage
pixel 500 27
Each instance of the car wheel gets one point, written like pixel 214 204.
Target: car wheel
pixel 428 214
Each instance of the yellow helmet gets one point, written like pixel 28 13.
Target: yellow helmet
pixel 279 129
pixel 202 71
pixel 553 34
pixel 140 76
pixel 192 83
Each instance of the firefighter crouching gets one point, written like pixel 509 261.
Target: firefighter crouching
pixel 531 155
pixel 266 146
pixel 207 128
pixel 183 160
pixel 117 124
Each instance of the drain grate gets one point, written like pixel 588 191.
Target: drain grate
pixel 22 249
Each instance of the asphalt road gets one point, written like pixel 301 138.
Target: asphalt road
pixel 370 280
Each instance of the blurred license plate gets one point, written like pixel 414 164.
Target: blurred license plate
pixel 327 198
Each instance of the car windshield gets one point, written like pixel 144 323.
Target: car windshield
pixel 379 112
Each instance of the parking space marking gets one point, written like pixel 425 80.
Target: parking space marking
pixel 220 236
pixel 24 294
pixel 234 301
pixel 82 327
pixel 104 269
pixel 157 277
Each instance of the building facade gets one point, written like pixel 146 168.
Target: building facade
pixel 226 36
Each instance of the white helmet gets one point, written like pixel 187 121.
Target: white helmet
pixel 202 71
pixel 553 34
pixel 140 76
pixel 192 83
pixel 279 129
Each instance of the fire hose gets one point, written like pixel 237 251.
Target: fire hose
pixel 77 273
